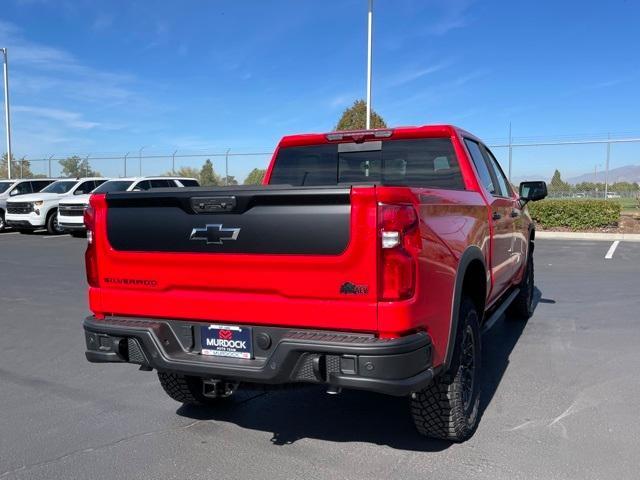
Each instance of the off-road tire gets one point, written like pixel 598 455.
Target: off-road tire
pixel 448 409
pixel 52 223
pixel 78 234
pixel 184 389
pixel 522 306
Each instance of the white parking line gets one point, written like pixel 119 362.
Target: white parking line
pixel 56 236
pixel 9 233
pixel 612 250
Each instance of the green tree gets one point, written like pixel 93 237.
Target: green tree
pixel 77 167
pixel 355 118
pixel 187 172
pixel 585 187
pixel 231 180
pixel 19 168
pixel 208 176
pixel 621 187
pixel 557 184
pixel 255 176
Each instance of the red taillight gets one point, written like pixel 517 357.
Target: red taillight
pixel 90 255
pixel 400 243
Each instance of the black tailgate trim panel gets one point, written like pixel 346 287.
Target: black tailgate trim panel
pixel 271 220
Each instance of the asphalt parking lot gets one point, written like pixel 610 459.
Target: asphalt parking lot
pixel 561 394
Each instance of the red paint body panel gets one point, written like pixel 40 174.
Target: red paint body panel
pixel 304 290
pixel 284 290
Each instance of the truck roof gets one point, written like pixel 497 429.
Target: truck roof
pixel 404 132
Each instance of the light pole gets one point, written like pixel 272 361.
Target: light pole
pixel 125 163
pixel 7 118
pixel 140 160
pixel 173 163
pixel 50 165
pixel 606 169
pixel 369 47
pixel 510 150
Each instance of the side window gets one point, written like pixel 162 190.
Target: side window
pixel 38 185
pixel 144 185
pixel 85 187
pixel 22 189
pixel 158 183
pixel 497 171
pixel 187 182
pixel 97 183
pixel 481 166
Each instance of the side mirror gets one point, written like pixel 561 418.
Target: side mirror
pixel 532 191
pixel 13 192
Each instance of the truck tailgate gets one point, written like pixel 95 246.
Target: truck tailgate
pixel 258 255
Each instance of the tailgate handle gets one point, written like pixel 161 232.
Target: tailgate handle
pixel 213 204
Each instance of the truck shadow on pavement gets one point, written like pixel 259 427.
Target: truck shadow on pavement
pixel 497 345
pixel 308 412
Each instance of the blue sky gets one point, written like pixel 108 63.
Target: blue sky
pixel 98 77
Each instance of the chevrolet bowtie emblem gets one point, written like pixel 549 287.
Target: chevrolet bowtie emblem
pixel 214 234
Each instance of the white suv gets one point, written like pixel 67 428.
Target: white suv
pixel 17 187
pixel 40 210
pixel 71 210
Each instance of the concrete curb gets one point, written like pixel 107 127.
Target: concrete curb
pixel 607 237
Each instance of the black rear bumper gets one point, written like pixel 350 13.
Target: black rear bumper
pixel 338 359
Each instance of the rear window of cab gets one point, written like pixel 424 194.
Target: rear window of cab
pixel 428 163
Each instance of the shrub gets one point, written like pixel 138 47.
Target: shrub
pixel 575 214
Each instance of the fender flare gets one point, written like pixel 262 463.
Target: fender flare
pixel 470 254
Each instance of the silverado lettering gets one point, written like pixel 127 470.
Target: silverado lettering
pixel 131 281
pixel 423 217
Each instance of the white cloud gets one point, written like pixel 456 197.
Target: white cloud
pixel 454 16
pixel 415 74
pixel 70 119
pixel 42 69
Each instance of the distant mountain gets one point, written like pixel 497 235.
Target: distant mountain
pixel 628 173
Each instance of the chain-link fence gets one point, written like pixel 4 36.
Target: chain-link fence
pixel 586 167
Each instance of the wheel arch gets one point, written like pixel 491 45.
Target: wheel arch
pixel 52 211
pixel 471 277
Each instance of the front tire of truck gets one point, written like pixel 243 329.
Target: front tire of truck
pixel 186 389
pixel 448 409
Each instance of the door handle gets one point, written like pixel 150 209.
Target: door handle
pixel 496 216
pixel 515 213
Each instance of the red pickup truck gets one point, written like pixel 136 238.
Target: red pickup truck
pixel 369 260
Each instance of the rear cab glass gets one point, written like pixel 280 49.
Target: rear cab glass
pixel 428 163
